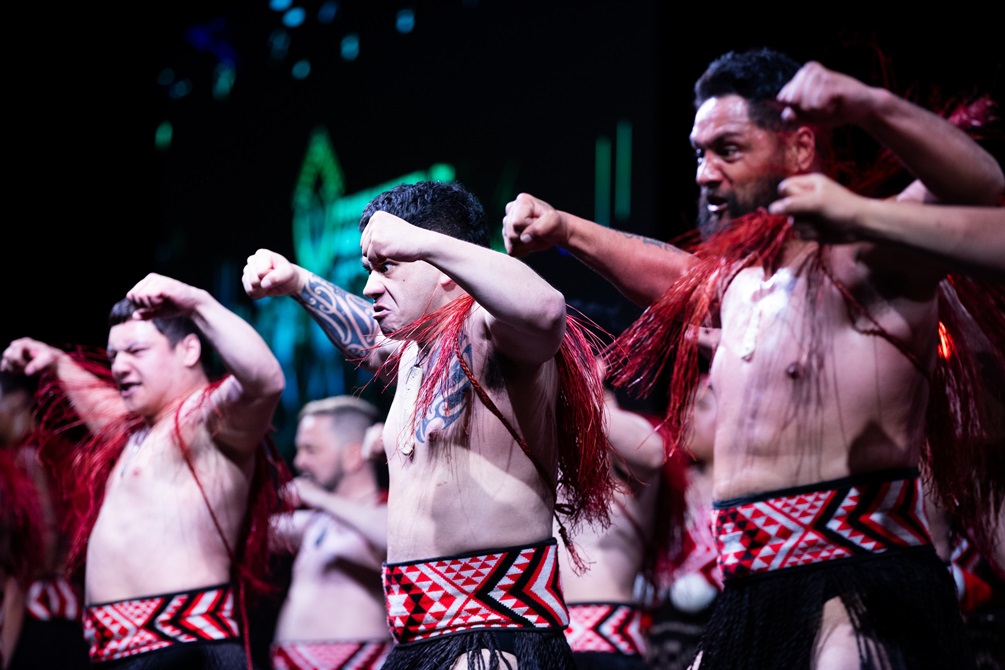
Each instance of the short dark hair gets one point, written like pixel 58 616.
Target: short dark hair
pixel 756 76
pixel 443 207
pixel 175 329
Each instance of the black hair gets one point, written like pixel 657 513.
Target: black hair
pixel 443 207
pixel 175 329
pixel 756 76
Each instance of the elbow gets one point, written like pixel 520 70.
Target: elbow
pixel 274 383
pixel 552 318
pixel 553 313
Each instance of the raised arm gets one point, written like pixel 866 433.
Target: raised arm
pixel 640 267
pixel 243 404
pixel 524 314
pixel 969 238
pixel 950 167
pixel 96 402
pixel 345 318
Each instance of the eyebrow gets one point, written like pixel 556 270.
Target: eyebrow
pixel 721 137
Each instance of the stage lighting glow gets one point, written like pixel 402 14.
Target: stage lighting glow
pixel 294 17
pixel 162 136
pixel 327 12
pixel 350 47
pixel 405 21
pixel 301 69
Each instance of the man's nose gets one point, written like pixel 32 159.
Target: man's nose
pixel 373 286
pixel 118 366
pixel 708 172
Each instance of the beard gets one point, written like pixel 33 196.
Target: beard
pixel 755 194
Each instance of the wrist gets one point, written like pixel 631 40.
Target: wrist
pixel 576 236
pixel 867 221
pixel 880 108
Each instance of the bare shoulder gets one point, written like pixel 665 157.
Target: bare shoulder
pixel 203 417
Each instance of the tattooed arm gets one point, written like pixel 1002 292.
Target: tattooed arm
pixel 640 267
pixel 345 318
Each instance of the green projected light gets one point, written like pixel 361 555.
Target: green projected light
pixel 325 241
pixel 613 171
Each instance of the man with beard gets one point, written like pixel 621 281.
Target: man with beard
pixel 333 614
pixel 822 375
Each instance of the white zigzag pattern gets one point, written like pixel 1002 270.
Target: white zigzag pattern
pixel 330 655
pixel 452 601
pixel 794 542
pixel 128 622
pixel 581 633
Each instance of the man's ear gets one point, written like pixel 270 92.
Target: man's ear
pixel 801 150
pixel 192 348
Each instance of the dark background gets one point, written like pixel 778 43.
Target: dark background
pixel 511 92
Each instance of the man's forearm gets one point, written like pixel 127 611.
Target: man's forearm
pixel 972 238
pixel 345 318
pixel 641 268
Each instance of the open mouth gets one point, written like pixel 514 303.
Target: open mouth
pixel 716 205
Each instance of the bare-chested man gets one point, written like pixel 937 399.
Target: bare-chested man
pixel 821 377
pixel 493 405
pixel 170 468
pixel 333 615
pixel 608 603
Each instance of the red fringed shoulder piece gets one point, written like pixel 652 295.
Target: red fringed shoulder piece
pixel 21 520
pixel 584 452
pixel 81 463
pixel 662 340
pixel 964 458
pixel 584 487
pixel 965 423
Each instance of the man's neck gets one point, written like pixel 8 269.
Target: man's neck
pixel 359 486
